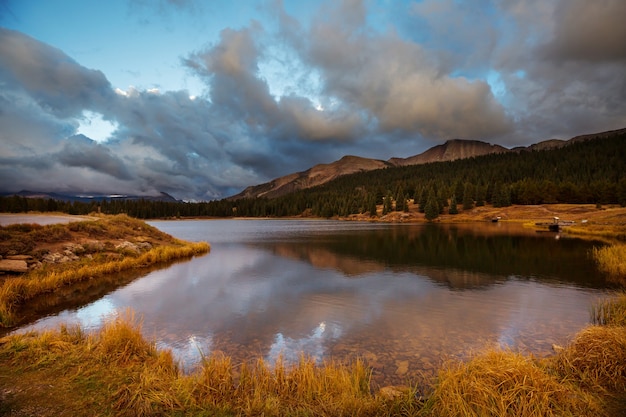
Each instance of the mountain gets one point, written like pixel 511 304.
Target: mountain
pixel 317 175
pixel 449 151
pixel 83 198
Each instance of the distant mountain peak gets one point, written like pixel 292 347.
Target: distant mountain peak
pixel 450 150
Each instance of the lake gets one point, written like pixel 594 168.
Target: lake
pixel 404 297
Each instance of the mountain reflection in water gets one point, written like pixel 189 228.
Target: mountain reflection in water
pixel 403 297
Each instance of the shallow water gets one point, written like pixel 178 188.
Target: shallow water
pixel 403 297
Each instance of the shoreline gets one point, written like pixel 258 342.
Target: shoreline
pixel 119 354
pixel 42 259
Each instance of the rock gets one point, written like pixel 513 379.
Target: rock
pixel 392 392
pixel 20 257
pixel 557 349
pixel 402 367
pixel 14 266
pixel 144 245
pixel 75 248
pixel 35 265
pixel 129 246
pixel 59 258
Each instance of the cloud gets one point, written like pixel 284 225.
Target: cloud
pixel 285 92
pixel 50 77
pixel 80 151
pixel 562 72
pixel 396 83
pixel 589 31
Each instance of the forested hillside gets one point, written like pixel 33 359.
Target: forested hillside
pixel 590 171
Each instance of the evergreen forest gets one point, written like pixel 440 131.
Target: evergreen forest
pixel 591 171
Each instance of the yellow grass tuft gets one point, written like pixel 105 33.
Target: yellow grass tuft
pixel 498 383
pixel 596 358
pixel 260 389
pixel 120 340
pixel 611 311
pixel 115 371
pixel 612 261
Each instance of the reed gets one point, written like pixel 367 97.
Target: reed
pixel 116 371
pixel 16 291
pixel 608 232
pixel 610 311
pixel 612 261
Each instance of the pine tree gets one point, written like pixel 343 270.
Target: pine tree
pixel 423 200
pixel 468 197
pixel 387 204
pixel 453 208
pixel 431 210
pixel 481 193
pixel 372 206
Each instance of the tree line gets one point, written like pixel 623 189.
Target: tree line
pixel 592 171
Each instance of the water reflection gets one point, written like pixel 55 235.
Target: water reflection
pixel 402 297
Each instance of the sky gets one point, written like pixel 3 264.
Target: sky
pixel 202 98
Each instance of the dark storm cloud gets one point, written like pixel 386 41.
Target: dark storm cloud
pixel 589 31
pixel 80 151
pixel 347 86
pixel 49 76
pixel 567 78
pixel 164 142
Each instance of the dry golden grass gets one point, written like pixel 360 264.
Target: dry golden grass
pixel 498 383
pixel 612 261
pixel 596 358
pixel 610 311
pixel 15 291
pixel 115 371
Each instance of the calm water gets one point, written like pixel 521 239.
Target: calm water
pixel 403 297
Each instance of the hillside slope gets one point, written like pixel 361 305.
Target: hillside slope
pixel 451 150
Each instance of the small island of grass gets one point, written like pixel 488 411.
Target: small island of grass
pixel 57 256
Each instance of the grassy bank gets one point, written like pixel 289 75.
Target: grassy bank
pixel 90 250
pixel 117 372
